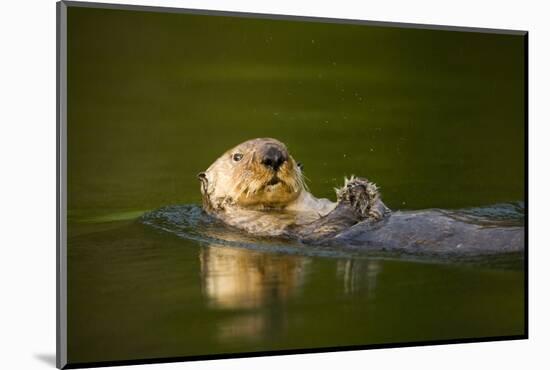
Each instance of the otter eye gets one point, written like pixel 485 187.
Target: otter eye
pixel 237 157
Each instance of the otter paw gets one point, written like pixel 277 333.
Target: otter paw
pixel 361 195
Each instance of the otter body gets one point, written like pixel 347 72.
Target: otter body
pixel 258 187
pixel 432 232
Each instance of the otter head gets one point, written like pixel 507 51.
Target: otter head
pixel 259 173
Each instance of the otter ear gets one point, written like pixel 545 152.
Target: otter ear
pixel 204 182
pixel 300 166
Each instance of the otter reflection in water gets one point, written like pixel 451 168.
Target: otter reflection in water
pixel 256 287
pixel 240 278
pixel 258 187
pixel 253 284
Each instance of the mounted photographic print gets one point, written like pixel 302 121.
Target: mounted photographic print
pixel 234 184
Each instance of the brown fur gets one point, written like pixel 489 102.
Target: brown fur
pixel 249 195
pixel 246 183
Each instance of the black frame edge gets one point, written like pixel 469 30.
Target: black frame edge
pixel 526 179
pixel 61 260
pixel 298 351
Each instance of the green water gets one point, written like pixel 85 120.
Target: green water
pixel 436 118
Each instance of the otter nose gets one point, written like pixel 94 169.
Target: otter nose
pixel 273 158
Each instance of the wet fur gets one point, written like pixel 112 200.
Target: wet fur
pixel 244 183
pixel 240 194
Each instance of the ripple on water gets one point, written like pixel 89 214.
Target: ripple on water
pixel 190 222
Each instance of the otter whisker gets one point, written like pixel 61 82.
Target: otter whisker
pixel 302 181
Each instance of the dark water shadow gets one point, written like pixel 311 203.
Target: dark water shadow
pixel 47 358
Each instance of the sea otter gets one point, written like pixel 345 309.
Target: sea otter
pixel 257 186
